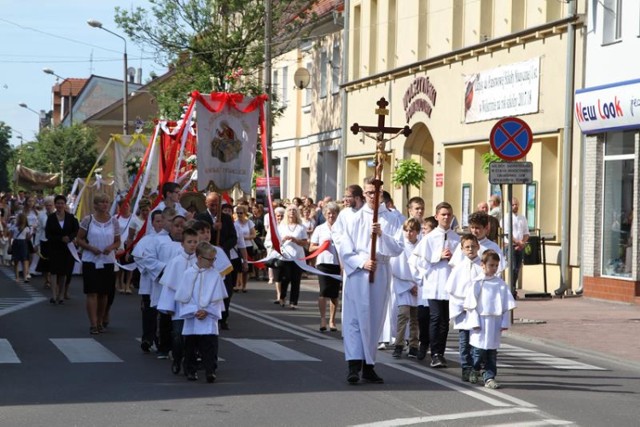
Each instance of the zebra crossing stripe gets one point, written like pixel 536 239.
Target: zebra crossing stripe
pixel 546 359
pixel 271 350
pixel 84 350
pixel 7 355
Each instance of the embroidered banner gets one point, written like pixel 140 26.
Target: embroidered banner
pixel 227 138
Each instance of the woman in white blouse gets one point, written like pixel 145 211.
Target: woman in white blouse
pixel 294 238
pixel 99 237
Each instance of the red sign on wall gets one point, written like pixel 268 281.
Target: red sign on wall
pixel 439 179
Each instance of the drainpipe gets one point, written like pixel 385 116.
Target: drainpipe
pixel 342 174
pixel 566 155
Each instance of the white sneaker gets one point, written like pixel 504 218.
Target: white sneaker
pixel 491 383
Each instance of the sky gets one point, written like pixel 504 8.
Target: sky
pixel 54 34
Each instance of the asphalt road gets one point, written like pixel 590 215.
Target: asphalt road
pixel 277 369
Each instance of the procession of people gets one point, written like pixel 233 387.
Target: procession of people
pixel 420 277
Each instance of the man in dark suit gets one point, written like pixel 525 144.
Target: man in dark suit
pixel 221 224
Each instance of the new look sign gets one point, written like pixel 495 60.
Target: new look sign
pixel 609 107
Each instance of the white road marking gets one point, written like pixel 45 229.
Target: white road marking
pixel 271 350
pixel 10 305
pixel 536 423
pixel 84 350
pixel 446 417
pixel 7 355
pixel 546 359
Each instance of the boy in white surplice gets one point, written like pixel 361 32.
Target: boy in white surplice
pixel 199 301
pixel 488 303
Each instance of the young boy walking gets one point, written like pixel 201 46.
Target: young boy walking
pixel 431 257
pixel 488 303
pixel 200 302
pixel 173 272
pixel 404 283
pixel 459 282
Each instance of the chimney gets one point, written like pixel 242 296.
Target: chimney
pixel 139 76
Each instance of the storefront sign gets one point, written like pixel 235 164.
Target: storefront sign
pixel 261 188
pixel 511 90
pixel 608 107
pixel 439 179
pixel 420 97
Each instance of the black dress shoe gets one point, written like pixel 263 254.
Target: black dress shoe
pixel 52 301
pixel 354 371
pixel 224 326
pixel 370 376
pixel 175 367
pixel 211 377
pixel 192 376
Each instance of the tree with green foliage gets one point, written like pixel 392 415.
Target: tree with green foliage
pixel 409 173
pixel 73 148
pixel 5 156
pixel 205 41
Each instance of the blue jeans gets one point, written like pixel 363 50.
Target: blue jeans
pixel 466 361
pixel 488 359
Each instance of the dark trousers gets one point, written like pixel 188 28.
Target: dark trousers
pixel 204 345
pixel 423 326
pixel 177 344
pixel 165 338
pixel 149 320
pixel 290 273
pixel 518 257
pixel 439 325
pixel 229 284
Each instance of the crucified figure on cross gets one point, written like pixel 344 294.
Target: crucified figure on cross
pixel 382 111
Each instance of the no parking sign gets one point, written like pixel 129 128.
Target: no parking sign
pixel 511 138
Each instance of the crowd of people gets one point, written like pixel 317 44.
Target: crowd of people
pixel 186 266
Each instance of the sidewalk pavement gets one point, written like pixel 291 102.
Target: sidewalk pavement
pixel 601 328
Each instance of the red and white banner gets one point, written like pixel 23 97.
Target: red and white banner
pixel 227 137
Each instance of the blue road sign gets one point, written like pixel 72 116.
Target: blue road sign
pixel 511 138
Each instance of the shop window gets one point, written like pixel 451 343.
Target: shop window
pixel 617 206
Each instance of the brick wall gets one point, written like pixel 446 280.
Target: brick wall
pixel 611 289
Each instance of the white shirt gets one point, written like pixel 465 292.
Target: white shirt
pixel 321 234
pixel 520 228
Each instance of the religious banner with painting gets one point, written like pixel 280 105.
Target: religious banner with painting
pixel 129 152
pixel 227 133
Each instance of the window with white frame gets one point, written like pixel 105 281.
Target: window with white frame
pixel 617 204
pixel 335 68
pixel 274 86
pixel 308 91
pixel 285 85
pixel 323 74
pixel 611 21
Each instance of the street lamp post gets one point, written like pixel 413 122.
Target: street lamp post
pixel 51 72
pixel 125 114
pixel 26 107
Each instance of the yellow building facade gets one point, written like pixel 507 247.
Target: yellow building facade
pixel 450 70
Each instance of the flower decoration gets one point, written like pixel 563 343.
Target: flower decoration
pixel 133 165
pixel 233 76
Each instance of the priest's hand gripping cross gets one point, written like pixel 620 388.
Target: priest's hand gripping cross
pixel 382 111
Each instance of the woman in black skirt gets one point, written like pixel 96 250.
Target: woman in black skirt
pixel 61 229
pixel 327 262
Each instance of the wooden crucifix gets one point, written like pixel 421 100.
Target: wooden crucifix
pixel 378 160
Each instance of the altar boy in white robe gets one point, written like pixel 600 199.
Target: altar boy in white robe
pixel 181 258
pixel 200 302
pixel 488 303
pixel 149 266
pixel 431 258
pixel 458 284
pixel 405 287
pixel 364 303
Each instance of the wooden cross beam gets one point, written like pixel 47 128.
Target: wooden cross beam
pixel 382 111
